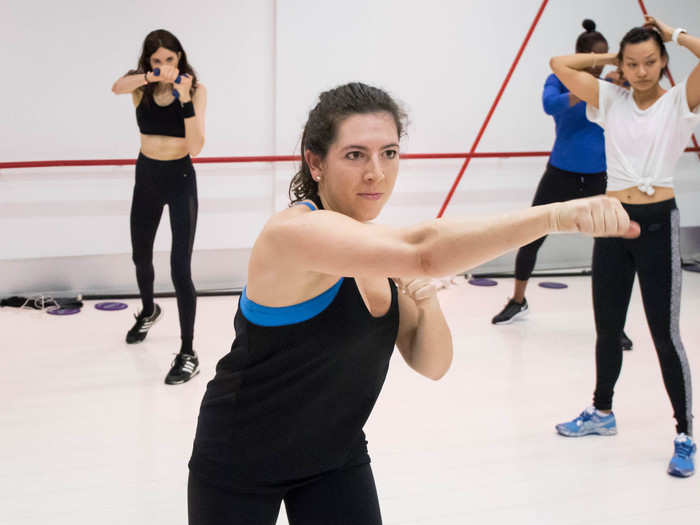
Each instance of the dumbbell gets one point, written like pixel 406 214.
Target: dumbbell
pixel 156 72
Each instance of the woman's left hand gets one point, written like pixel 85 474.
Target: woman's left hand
pixel 664 30
pixel 420 289
pixel 183 87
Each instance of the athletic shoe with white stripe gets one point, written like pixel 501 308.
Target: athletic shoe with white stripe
pixel 143 323
pixel 681 464
pixel 590 421
pixel 184 368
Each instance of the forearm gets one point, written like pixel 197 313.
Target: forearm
pixel 128 84
pixel 431 349
pixel 581 61
pixel 194 136
pixel 455 245
pixel 433 248
pixel 569 70
pixel 692 43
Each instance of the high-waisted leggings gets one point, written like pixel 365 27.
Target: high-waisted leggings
pixel 158 183
pixel 556 186
pixel 655 258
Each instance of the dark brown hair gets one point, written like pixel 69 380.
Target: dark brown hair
pixel 153 41
pixel 320 131
pixel 642 34
pixel 589 38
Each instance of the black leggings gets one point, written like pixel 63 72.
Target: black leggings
pixel 655 258
pixel 556 186
pixel 346 496
pixel 161 182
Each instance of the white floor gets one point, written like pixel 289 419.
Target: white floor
pixel 90 434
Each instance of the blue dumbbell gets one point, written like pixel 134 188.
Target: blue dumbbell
pixel 156 72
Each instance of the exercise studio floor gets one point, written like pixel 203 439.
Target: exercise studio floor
pixel 90 434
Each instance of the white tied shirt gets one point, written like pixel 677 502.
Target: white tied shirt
pixel 642 147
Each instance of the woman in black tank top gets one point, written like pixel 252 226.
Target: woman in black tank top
pixel 329 294
pixel 170 108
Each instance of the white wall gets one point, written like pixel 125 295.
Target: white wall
pixel 264 63
pixel 68 57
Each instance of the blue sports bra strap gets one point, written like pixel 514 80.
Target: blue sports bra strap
pixel 310 204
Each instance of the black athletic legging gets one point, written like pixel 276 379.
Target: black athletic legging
pixel 556 186
pixel 161 182
pixel 347 496
pixel 655 258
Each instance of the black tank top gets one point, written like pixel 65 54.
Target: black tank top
pixel 289 402
pixel 160 120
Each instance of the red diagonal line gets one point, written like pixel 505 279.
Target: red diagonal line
pixel 493 108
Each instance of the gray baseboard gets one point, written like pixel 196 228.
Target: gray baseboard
pixel 108 275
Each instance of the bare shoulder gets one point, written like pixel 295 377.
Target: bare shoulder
pixel 284 217
pixel 275 235
pixel 271 265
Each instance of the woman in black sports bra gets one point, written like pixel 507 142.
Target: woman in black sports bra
pixel 170 108
pixel 317 323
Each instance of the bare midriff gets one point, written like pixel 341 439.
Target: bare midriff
pixel 160 147
pixel 634 195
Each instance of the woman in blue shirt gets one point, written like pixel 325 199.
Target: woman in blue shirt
pixel 576 166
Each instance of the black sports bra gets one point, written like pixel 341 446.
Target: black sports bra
pixel 161 120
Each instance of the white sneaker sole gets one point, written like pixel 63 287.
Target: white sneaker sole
pixel 595 432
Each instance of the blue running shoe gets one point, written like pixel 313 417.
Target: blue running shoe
pixel 589 422
pixel 681 464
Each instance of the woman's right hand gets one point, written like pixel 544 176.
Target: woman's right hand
pixel 599 216
pixel 167 74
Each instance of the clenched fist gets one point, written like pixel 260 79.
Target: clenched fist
pixel 599 216
pixel 419 289
pixel 183 87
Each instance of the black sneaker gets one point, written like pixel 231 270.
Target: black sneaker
pixel 625 342
pixel 184 368
pixel 143 323
pixel 510 312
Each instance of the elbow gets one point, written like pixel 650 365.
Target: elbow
pixel 428 262
pixel 196 149
pixel 554 64
pixel 439 373
pixel 436 376
pixel 117 88
pixel 428 266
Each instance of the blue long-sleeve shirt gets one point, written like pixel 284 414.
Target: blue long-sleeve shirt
pixel 579 145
